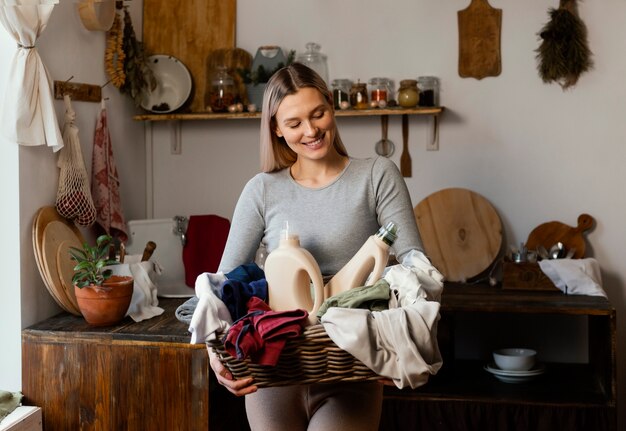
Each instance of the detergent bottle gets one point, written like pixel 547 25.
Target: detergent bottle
pixel 368 262
pixel 289 271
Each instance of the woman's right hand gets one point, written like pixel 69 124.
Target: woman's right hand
pixel 238 387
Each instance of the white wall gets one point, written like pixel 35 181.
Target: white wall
pixel 535 152
pixel 10 378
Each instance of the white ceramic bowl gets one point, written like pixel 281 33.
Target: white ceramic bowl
pixel 515 359
pixel 173 85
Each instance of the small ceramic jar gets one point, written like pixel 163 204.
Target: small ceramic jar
pixel 408 95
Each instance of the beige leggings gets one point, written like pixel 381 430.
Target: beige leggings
pixel 327 407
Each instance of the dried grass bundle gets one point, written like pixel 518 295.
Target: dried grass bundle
pixel 564 53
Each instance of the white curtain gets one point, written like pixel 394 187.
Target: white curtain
pixel 28 116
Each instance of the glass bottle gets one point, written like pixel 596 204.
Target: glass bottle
pixel 313 58
pixel 408 95
pixel 358 96
pixel 222 94
pixel 428 87
pixel 341 93
pixel 380 89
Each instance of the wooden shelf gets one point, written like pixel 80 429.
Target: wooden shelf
pixel 247 115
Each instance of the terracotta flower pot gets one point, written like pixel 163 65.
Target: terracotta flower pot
pixel 105 305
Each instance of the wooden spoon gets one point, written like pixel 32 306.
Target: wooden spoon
pixel 405 157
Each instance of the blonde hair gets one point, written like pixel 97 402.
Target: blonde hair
pixel 275 153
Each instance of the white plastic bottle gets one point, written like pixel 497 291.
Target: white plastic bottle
pixel 289 271
pixel 368 262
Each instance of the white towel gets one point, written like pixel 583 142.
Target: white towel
pixel 211 314
pixel 144 303
pixel 399 344
pixel 574 276
pixel 416 278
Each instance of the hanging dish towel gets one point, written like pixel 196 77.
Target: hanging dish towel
pixel 105 185
pixel 206 238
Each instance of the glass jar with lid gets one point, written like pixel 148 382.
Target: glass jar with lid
pixel 223 92
pixel 358 96
pixel 408 94
pixel 314 58
pixel 380 89
pixel 341 93
pixel 428 87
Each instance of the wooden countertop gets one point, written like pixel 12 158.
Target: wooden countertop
pixel 164 328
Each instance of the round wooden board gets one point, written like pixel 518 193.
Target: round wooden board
pixel 54 235
pixel 461 232
pixel 65 267
pixel 42 218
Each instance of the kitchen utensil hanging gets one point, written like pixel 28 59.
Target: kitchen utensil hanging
pixel 384 147
pixel 405 157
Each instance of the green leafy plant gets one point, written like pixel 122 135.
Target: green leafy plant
pixel 91 262
pixel 261 75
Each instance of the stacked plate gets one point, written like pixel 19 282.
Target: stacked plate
pixel 515 376
pixel 53 235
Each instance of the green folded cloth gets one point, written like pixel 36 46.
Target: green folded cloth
pixel 373 298
pixel 9 401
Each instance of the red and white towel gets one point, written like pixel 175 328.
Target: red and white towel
pixel 105 185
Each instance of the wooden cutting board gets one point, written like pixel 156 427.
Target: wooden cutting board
pixel 189 31
pixel 461 232
pixel 548 234
pixel 54 235
pixel 479 40
pixel 44 216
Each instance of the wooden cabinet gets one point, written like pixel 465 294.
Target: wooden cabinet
pixel 569 396
pixel 146 375
pixel 133 376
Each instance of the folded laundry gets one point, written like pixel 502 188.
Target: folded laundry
pixel 374 297
pixel 210 315
pixel 9 401
pixel 399 343
pixel 246 273
pixel 262 333
pixel 235 294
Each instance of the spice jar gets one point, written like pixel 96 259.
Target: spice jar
pixel 408 95
pixel 428 87
pixel 341 93
pixel 222 94
pixel 379 89
pixel 358 96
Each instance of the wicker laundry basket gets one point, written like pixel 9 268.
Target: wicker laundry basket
pixel 311 357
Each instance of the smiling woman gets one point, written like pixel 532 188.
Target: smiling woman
pixel 309 180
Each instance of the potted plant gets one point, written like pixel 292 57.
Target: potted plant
pixel 267 61
pixel 103 298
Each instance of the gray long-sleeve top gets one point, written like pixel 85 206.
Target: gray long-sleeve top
pixel 332 222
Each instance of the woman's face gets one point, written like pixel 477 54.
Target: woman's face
pixel 307 123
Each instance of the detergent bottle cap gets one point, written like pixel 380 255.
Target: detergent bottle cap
pixel 285 234
pixel 388 233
